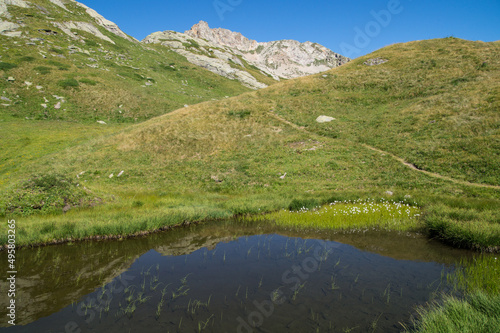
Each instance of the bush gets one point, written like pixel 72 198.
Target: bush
pixel 27 59
pixel 6 66
pixel 88 81
pixel 90 42
pixel 43 194
pixel 60 66
pixel 298 204
pixel 68 83
pixel 43 69
pixel 58 51
pixel 239 114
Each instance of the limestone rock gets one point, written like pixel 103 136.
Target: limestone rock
pixel 60 4
pixel 285 58
pixel 324 119
pixel 221 51
pixel 106 24
pixel 9 28
pixel 375 61
pixel 3 6
pixel 85 26
pixel 217 63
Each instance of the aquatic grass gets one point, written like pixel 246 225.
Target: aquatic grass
pixel 333 286
pixel 195 305
pixel 181 291
pixel 297 290
pixel 346 215
pixel 203 324
pixel 387 293
pixel 481 273
pixel 477 312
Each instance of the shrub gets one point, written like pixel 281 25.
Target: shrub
pixel 297 204
pixel 26 59
pixel 43 194
pixel 239 114
pixel 56 51
pixel 6 65
pixel 59 65
pixel 90 42
pixel 88 81
pixel 43 69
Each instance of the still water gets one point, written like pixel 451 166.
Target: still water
pixel 230 276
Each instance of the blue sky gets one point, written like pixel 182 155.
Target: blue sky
pixel 352 28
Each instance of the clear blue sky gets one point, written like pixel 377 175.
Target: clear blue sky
pixel 346 27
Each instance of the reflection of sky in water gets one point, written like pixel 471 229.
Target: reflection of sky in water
pixel 273 282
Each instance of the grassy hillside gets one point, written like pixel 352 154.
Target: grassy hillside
pixel 115 80
pixel 434 104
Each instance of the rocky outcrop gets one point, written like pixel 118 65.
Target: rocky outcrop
pixel 201 53
pixel 60 4
pixel 84 26
pixel 106 24
pixel 282 59
pixel 222 37
pixel 229 53
pixel 3 6
pixel 10 28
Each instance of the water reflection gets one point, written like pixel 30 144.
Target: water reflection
pixel 230 276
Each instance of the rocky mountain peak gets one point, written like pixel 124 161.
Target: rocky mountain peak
pixel 222 37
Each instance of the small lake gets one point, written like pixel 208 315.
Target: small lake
pixel 230 276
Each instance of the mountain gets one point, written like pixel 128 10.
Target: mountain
pixel 61 60
pixel 282 59
pixel 232 55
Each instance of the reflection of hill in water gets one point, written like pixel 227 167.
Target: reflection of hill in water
pixel 54 277
pixel 192 243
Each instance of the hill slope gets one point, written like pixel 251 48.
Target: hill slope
pixel 61 60
pixel 431 104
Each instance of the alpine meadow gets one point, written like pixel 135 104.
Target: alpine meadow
pixel 105 137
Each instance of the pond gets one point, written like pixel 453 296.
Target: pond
pixel 230 276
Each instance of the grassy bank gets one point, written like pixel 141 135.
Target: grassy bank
pixel 345 215
pixel 477 310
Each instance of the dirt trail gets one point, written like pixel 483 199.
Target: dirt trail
pixel 432 174
pixel 409 165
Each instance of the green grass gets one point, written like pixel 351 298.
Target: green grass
pixel 476 313
pixel 478 310
pixel 465 227
pixel 123 68
pixel 482 273
pixel 232 154
pixel 350 215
